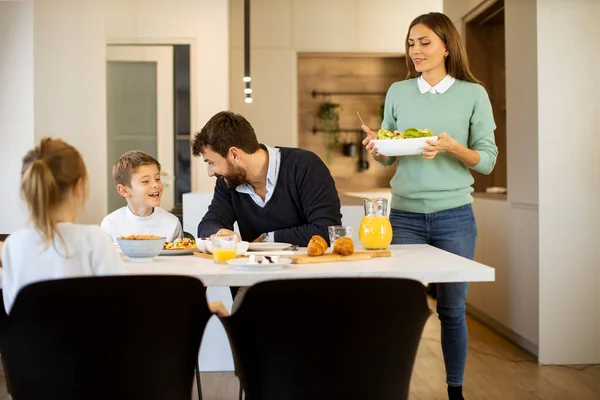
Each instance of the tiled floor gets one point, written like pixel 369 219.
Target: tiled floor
pixel 495 370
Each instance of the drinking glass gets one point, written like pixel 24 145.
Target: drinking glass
pixel 339 231
pixel 223 247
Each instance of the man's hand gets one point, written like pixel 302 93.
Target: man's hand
pixel 228 232
pixel 218 308
pixel 261 238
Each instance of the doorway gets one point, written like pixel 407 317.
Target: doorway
pixel 147 88
pixel 484 37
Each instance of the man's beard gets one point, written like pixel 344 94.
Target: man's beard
pixel 236 176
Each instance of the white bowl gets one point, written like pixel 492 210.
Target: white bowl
pixel 240 249
pixel 402 147
pixel 201 243
pixel 141 249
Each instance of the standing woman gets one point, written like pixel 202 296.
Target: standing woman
pixel 431 194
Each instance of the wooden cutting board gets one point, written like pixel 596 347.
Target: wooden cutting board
pixel 376 253
pixel 203 255
pixel 330 257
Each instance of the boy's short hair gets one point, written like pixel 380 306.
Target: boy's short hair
pixel 128 163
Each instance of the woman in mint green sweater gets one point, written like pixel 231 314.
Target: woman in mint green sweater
pixel 431 194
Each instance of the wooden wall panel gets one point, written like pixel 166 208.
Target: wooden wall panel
pixel 346 73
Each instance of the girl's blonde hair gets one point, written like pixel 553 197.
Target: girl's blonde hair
pixel 50 170
pixel 457 63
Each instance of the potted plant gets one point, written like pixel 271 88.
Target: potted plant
pixel 329 122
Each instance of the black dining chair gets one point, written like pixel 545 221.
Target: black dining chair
pixel 2 316
pixel 117 337
pixel 188 235
pixel 3 237
pixel 331 338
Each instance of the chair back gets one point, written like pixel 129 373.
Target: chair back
pixel 116 337
pixel 333 338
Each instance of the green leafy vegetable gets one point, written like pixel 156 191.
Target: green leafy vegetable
pixel 410 133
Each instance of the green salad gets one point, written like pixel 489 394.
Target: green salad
pixel 410 133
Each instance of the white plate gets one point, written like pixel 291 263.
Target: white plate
pixel 402 147
pixel 271 253
pixel 242 263
pixel 268 246
pixel 174 252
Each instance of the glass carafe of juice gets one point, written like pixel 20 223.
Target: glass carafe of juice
pixel 375 231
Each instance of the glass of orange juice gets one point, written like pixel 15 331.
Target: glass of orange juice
pixel 223 247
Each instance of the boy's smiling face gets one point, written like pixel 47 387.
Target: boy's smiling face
pixel 145 188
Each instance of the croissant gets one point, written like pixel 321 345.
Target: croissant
pixel 317 246
pixel 343 246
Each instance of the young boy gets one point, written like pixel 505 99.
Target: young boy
pixel 137 176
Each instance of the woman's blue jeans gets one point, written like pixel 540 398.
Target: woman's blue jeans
pixel 454 231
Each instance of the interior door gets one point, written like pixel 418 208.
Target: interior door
pixel 140 111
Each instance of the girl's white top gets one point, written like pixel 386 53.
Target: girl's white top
pixel 27 259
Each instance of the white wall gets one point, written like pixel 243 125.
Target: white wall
pixel 282 28
pixel 569 180
pixel 61 44
pixel 201 23
pixel 70 86
pixel 16 106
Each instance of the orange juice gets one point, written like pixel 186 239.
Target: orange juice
pixel 222 255
pixel 375 232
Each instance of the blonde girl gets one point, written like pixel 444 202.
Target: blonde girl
pixel 54 185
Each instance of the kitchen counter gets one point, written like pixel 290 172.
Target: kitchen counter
pixel 354 198
pixel 350 200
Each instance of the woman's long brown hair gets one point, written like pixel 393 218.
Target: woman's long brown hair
pixel 457 63
pixel 49 171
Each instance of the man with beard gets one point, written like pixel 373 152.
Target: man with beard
pixel 276 194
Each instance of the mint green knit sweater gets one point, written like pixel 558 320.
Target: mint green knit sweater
pixel 465 113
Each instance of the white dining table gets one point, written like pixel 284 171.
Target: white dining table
pixel 423 263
